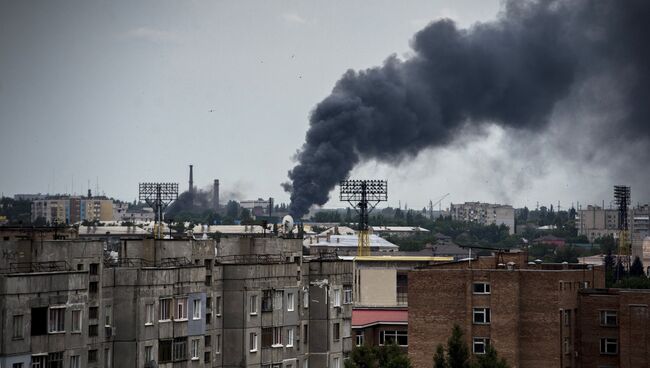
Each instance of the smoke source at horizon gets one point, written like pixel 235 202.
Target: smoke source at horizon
pixel 511 72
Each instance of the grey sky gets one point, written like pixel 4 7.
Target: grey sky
pixel 128 91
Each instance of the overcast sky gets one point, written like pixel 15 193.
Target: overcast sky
pixel 121 92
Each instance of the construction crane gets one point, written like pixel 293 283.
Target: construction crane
pixel 439 203
pixel 363 196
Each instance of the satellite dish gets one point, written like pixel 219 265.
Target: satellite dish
pixel 287 223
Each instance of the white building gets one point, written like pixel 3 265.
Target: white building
pixel 484 214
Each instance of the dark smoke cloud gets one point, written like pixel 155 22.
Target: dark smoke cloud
pixel 511 72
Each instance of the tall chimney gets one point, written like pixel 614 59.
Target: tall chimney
pixel 215 195
pixel 270 206
pixel 191 189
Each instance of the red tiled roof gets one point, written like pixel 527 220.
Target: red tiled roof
pixel 365 317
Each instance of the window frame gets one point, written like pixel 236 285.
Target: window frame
pixel 480 341
pixel 290 302
pixel 78 321
pixel 277 337
pixel 486 312
pixel 336 331
pixel 608 341
pixel 252 342
pixel 196 307
pixel 164 310
pixel 18 329
pixel 485 286
pixel 59 322
pixel 604 314
pixel 336 303
pixel 195 349
pixel 252 304
pixel 149 314
pixel 181 309
pixel 290 337
pixel 393 335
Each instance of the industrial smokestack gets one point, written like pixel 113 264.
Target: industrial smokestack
pixel 215 195
pixel 270 206
pixel 511 72
pixel 191 188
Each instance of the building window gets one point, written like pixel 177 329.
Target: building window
pixel 208 341
pixel 148 313
pixel 359 337
pixel 93 312
pixel 208 318
pixel 608 345
pixel 165 309
pixel 401 284
pixel 93 330
pixel 267 337
pixel 480 344
pixel 277 299
pixel 399 337
pixel 337 362
pixel 57 319
pixel 107 358
pixel 181 309
pixel 567 317
pixel 252 342
pixel 208 303
pixel 252 305
pixel 217 307
pixel 217 346
pixel 277 337
pixel 608 318
pixel 290 302
pixel 336 331
pixel 305 299
pixel 481 288
pixel 290 337
pixel 305 333
pixel 75 362
pixel 566 345
pixel 305 363
pixel 93 286
pixel 19 365
pixel 267 300
pixel 337 297
pixel 39 361
pixel 39 321
pixel 347 295
pixel 148 354
pixel 55 360
pixel 108 311
pixel 76 320
pixel 18 327
pixel 195 349
pixel 164 351
pixel 196 311
pixel 207 357
pixel 92 356
pixel 94 269
pixel 481 315
pixel 179 348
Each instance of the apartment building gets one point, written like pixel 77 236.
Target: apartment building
pixel 484 214
pixel 70 210
pixel 596 222
pixel 526 311
pixel 240 301
pixel 639 228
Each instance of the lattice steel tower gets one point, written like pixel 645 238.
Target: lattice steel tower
pixel 363 196
pixel 622 198
pixel 158 196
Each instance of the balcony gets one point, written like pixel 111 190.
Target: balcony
pixel 347 344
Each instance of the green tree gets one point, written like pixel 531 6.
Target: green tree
pixel 490 360
pixel 232 209
pixel 636 269
pixel 457 350
pixel 362 357
pixel 439 360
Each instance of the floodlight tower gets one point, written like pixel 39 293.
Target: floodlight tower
pixel 363 196
pixel 622 198
pixel 158 196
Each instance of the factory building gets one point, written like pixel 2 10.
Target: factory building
pixel 251 301
pixel 526 312
pixel 484 214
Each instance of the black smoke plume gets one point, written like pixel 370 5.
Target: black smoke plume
pixel 511 72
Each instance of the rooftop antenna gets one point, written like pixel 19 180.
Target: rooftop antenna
pixel 363 196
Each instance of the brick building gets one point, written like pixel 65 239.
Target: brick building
pixel 613 328
pixel 526 311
